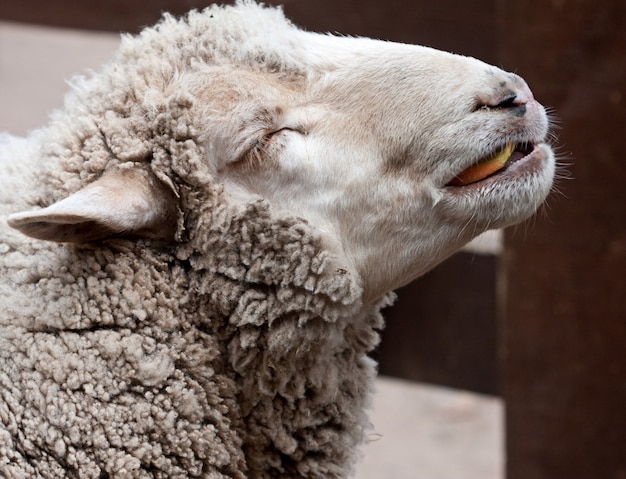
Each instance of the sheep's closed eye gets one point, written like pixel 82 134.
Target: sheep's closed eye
pixel 263 148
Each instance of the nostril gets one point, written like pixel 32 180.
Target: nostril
pixel 514 103
pixel 510 101
pixel 511 96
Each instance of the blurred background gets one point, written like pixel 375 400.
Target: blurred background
pixel 509 359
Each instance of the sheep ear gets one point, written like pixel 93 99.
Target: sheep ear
pixel 122 202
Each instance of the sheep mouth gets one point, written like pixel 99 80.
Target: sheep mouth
pixel 492 164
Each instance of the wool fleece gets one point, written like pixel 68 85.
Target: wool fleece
pixel 238 350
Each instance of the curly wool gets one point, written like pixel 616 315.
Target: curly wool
pixel 154 364
pixel 240 351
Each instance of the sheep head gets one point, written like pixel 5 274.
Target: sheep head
pixel 374 144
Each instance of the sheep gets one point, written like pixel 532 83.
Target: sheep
pixel 195 251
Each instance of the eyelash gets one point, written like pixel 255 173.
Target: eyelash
pixel 257 153
pixel 260 144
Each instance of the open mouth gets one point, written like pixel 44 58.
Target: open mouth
pixel 492 164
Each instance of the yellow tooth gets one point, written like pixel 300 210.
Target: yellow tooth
pixel 501 156
pixel 485 167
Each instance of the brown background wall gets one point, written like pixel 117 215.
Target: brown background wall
pixel 562 338
pixel 564 322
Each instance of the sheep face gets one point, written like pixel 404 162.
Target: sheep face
pixel 370 146
pixel 373 143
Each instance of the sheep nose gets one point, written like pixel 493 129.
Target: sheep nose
pixel 514 97
pixel 523 95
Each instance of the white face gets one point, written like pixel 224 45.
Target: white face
pixel 366 146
